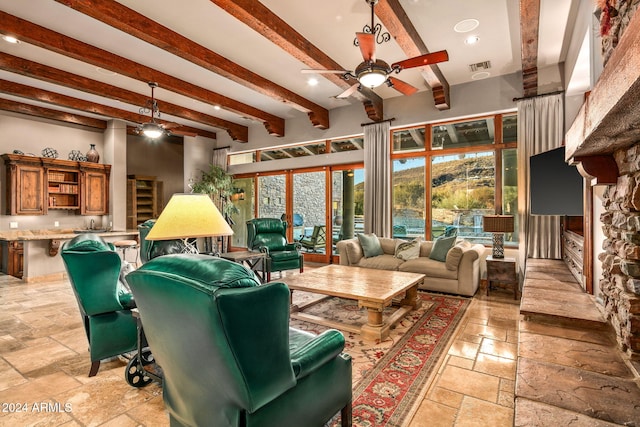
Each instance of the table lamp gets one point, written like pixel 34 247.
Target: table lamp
pixel 498 225
pixel 189 216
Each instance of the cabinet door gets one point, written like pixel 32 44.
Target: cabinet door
pixel 95 193
pixel 27 193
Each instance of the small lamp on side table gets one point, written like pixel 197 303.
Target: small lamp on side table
pixel 498 225
pixel 189 216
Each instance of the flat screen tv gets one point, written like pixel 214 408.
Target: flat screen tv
pixel 556 187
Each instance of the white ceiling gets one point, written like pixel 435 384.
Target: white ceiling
pixel 329 24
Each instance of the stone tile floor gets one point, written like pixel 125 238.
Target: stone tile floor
pixel 44 365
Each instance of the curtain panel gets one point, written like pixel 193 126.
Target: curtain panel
pixel 377 179
pixel 540 129
pixel 219 157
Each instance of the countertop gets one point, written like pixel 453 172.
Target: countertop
pixel 55 234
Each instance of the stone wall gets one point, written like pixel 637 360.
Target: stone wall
pixel 620 282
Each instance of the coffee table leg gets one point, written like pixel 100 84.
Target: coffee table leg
pixel 411 297
pixel 375 329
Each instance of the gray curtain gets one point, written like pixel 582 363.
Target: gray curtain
pixel 219 157
pixel 377 179
pixel 540 129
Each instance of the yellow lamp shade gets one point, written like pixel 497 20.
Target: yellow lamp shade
pixel 189 215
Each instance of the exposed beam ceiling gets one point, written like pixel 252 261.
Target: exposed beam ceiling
pixel 81 51
pixel 395 19
pixel 245 56
pixel 32 93
pixel 258 17
pixel 113 13
pixel 49 74
pixel 529 25
pixel 34 110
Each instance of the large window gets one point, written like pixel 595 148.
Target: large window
pixel 462 191
pixel 408 197
pixel 445 178
pixel 472 172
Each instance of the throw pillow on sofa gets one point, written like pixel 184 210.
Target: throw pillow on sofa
pixel 370 245
pixel 455 255
pixel 407 250
pixel 440 248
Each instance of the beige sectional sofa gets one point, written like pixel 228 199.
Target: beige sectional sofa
pixel 459 274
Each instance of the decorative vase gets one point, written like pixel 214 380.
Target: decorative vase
pixel 92 155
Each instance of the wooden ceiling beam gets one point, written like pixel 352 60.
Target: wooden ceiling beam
pixel 41 95
pixel 42 72
pixel 529 27
pixel 258 17
pixel 48 113
pixel 59 43
pixel 395 19
pixel 129 21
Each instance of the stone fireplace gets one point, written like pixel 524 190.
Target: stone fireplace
pixel 620 283
pixel 604 143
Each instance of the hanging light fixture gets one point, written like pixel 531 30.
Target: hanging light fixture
pixel 152 129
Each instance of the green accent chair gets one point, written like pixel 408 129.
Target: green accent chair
pixel 317 239
pixel 227 353
pixel 269 235
pixel 93 267
pixel 150 249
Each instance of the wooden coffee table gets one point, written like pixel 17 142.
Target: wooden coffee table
pixel 373 289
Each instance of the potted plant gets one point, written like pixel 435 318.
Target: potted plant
pixel 218 184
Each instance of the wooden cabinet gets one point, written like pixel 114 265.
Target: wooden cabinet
pixel 573 246
pixel 36 185
pixel 95 190
pixel 25 190
pixel 12 257
pixel 502 271
pixel 144 199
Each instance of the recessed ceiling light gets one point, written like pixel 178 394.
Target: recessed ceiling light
pixel 481 75
pixel 466 25
pixel 312 81
pixel 216 107
pixel 10 39
pixel 472 40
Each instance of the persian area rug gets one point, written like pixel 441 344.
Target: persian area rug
pixel 390 376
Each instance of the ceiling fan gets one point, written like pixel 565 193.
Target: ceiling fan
pixel 373 72
pixel 153 129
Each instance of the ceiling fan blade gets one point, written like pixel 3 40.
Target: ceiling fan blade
pixel 402 87
pixel 367 45
pixel 323 71
pixel 348 92
pixel 421 61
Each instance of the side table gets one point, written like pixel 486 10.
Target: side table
pixel 253 260
pixel 503 271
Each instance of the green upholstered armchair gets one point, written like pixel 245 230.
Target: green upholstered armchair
pixel 105 304
pixel 226 350
pixel 269 235
pixel 150 249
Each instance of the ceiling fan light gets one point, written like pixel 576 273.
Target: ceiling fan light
pixel 372 78
pixel 152 130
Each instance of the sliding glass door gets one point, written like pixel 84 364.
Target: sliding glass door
pixel 309 213
pixel 347 204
